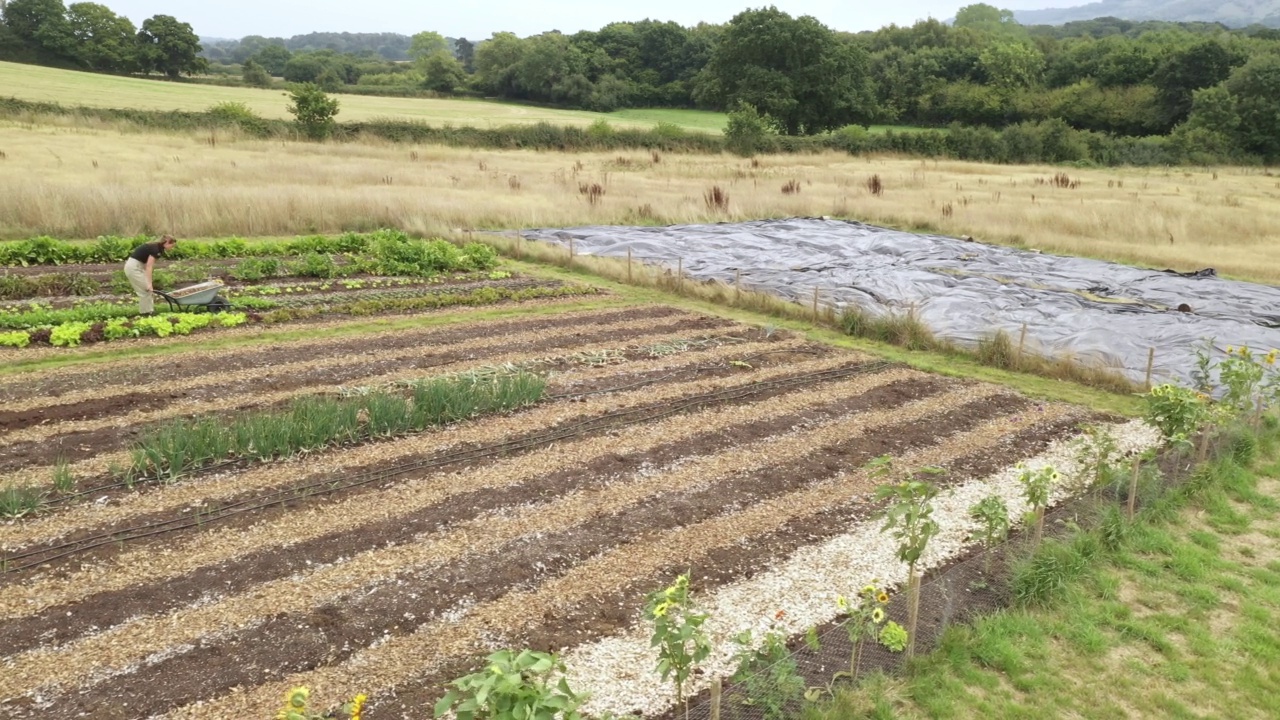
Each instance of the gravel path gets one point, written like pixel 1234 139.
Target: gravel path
pixel 617 670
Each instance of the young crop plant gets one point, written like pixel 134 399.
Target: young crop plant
pixel 18 501
pixel 1242 374
pixel 909 518
pixel 1098 454
pixel 894 637
pixel 677 634
pixel 313 422
pixel 768 674
pixel 513 686
pixel 1175 411
pixel 297 707
pixel 63 481
pixel 1036 485
pixel 866 613
pixel 992 515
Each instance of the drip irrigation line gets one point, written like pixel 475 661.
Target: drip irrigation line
pixel 618 419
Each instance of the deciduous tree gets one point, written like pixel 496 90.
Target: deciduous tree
pixel 169 46
pixel 795 70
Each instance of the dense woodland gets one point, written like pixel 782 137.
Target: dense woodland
pixel 1216 89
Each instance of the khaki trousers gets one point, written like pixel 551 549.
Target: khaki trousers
pixel 137 274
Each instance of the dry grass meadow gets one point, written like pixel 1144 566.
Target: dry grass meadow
pixel 77 179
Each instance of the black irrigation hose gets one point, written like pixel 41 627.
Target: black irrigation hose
pixel 66 499
pixel 610 420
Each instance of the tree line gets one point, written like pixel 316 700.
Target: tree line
pixel 1215 88
pixel 91 36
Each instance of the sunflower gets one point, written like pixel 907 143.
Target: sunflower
pixel 357 706
pixel 297 697
pixel 883 597
pixel 877 616
pixel 869 590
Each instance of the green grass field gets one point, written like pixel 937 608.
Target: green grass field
pixel 70 88
pixel 1182 621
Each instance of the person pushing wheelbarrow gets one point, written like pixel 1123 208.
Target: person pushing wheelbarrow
pixel 138 269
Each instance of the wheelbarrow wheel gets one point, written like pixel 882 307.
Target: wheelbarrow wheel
pixel 218 304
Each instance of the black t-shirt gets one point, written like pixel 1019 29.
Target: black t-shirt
pixel 145 251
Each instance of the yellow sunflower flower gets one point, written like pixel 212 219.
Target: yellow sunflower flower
pixel 297 697
pixel 357 705
pixel 869 590
pixel 883 597
pixel 877 616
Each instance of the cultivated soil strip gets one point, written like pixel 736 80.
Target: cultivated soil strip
pixel 114 384
pixel 707 432
pixel 117 574
pixel 26 442
pixel 36 459
pixel 202 491
pixel 78 376
pixel 481 535
pixel 617 670
pixel 397 659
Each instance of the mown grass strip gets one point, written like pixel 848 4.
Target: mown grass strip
pixel 314 422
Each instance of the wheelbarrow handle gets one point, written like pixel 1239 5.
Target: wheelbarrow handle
pixel 173 304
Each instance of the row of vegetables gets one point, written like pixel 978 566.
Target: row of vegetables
pixel 391 257
pixel 116 322
pixel 390 246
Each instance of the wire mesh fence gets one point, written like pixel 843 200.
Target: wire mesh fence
pixel 815 666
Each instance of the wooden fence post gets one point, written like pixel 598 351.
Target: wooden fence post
pixel 737 286
pixel 628 264
pixel 680 275
pixel 570 251
pixel 1022 342
pixel 715 699
pixel 1151 362
pixel 1133 486
pixel 815 304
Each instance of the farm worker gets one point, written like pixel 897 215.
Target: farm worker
pixel 138 269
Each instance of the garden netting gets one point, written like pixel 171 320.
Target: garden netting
pixel 964 291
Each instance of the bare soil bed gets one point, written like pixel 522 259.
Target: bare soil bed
pixel 665 440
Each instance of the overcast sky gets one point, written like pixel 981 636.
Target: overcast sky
pixel 479 20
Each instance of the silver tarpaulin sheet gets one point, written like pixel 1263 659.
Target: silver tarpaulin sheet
pixel 964 291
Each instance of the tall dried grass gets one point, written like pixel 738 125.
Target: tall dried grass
pixel 83 180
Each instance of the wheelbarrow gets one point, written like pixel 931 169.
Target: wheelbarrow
pixel 203 295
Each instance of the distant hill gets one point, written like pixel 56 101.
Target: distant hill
pixel 1232 13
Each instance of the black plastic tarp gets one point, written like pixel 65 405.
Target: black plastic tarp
pixel 963 290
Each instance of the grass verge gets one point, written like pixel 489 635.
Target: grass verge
pixel 1174 615
pixel 900 338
